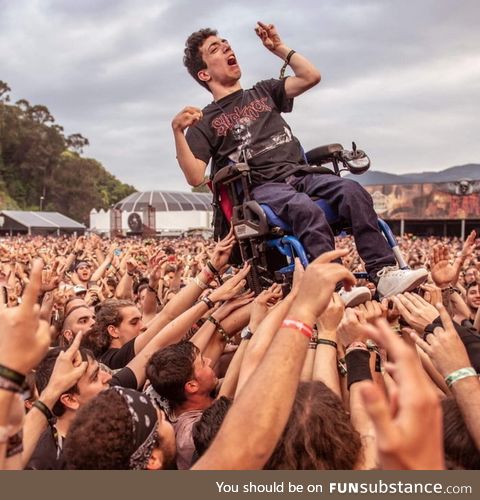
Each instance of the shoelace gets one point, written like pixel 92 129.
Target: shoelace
pixel 386 270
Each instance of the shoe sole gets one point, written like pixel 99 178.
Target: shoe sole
pixel 360 299
pixel 419 281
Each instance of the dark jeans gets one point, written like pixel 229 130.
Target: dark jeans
pixel 291 202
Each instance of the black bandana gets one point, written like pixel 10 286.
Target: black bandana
pixel 144 421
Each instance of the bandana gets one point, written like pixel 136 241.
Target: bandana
pixel 144 422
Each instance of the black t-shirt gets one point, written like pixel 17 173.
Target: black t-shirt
pixel 116 357
pixel 273 152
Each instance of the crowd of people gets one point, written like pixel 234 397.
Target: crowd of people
pixel 133 353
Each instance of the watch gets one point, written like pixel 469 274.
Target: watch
pixel 246 334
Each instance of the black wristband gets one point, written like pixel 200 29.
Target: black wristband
pixel 358 366
pixel 209 303
pixel 12 375
pixel 215 272
pixel 42 407
pixel 327 342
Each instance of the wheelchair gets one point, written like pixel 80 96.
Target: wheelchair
pixel 266 241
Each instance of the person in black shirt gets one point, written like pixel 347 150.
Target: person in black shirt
pixel 275 156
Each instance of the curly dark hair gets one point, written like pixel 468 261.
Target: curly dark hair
pixel 170 369
pixel 192 59
pixel 97 339
pixel 460 449
pixel 101 435
pixel 318 435
pixel 205 429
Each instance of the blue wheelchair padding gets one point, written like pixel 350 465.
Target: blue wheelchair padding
pixel 274 219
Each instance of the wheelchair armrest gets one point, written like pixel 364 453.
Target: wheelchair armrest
pixel 230 173
pixel 323 154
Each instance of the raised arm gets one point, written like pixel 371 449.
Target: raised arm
pixel 193 168
pixel 306 74
pixel 268 395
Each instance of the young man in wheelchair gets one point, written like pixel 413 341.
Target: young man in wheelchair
pixel 275 156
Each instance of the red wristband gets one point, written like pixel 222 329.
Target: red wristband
pixel 303 328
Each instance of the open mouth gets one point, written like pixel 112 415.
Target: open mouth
pixel 232 60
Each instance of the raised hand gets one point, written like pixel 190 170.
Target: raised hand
pixel 318 284
pixel 331 317
pixel 188 117
pixel 409 436
pixel 415 310
pixel 231 287
pixel 444 273
pixel 222 251
pixel 269 36
pixel 24 338
pixel 444 346
pixel 261 304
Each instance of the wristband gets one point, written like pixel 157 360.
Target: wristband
pixel 8 385
pixel 303 328
pixel 219 328
pixel 459 374
pixel 286 63
pixel 12 375
pixel 357 345
pixel 342 367
pixel 130 274
pixel 215 272
pixel 208 302
pixel 202 285
pixel 43 408
pixel 358 366
pixel 312 344
pixel 151 289
pixel 327 342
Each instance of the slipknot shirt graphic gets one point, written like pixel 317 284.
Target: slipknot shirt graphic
pixel 246 114
pixel 272 153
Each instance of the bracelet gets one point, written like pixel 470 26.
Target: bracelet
pixel 8 385
pixel 219 328
pixel 12 375
pixel 342 367
pixel 327 342
pixel 202 285
pixel 210 304
pixel 312 344
pixel 151 289
pixel 286 63
pixel 43 408
pixel 215 272
pixel 459 374
pixel 356 345
pixel 303 328
pixel 130 274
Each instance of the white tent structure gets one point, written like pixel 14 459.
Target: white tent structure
pixel 155 212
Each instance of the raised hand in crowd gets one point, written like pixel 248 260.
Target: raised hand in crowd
pixel 408 433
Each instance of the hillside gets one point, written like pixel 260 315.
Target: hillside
pixel 470 171
pixel 41 167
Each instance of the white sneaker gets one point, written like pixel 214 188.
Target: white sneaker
pixel 356 296
pixel 393 280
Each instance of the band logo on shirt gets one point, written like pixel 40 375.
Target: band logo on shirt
pixel 226 121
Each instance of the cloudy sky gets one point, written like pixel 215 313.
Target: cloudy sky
pixel 400 77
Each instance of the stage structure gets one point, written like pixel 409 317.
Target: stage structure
pixel 155 213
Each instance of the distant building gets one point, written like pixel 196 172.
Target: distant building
pixel 25 222
pixel 166 213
